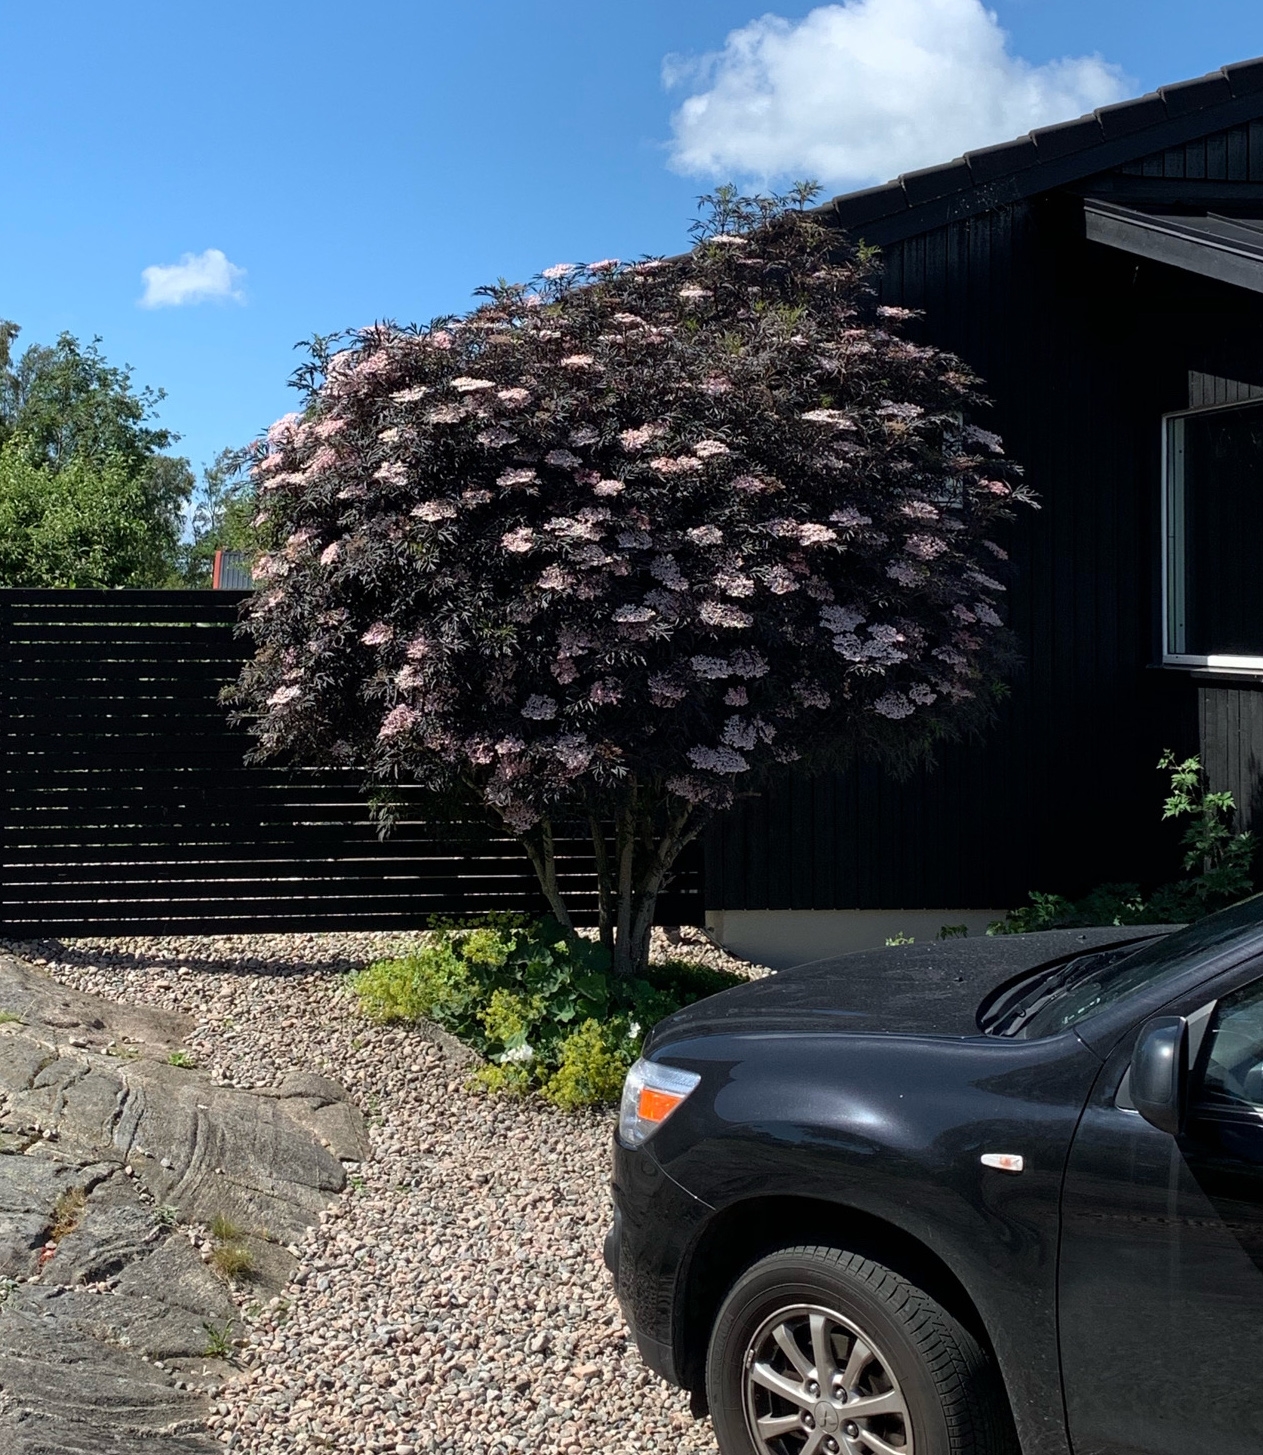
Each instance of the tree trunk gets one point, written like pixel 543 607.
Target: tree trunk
pixel 607 895
pixel 663 842
pixel 659 862
pixel 650 833
pixel 540 850
pixel 625 838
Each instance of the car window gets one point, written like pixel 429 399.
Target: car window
pixel 1232 1078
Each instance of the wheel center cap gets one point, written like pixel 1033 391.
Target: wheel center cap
pixel 827 1417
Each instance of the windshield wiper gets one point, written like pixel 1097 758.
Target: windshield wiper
pixel 1013 1010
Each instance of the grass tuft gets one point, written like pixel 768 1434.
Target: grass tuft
pixel 219 1340
pixel 181 1058
pixel 234 1262
pixel 67 1213
pixel 225 1229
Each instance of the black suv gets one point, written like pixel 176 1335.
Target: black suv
pixel 972 1196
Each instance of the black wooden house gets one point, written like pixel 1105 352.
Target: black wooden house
pixel 1105 278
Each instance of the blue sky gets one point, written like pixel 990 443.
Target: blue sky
pixel 346 163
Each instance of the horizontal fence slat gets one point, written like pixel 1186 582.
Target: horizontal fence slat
pixel 199 865
pixel 283 841
pixel 113 897
pixel 168 792
pixel 79 661
pixel 21 603
pixel 146 639
pixel 200 869
pixel 151 757
pixel 113 845
pixel 97 692
pixel 127 807
pixel 256 899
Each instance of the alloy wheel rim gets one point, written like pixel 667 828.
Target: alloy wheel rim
pixel 814 1383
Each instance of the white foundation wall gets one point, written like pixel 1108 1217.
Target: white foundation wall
pixel 780 938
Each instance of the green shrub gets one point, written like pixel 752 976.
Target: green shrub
pixel 432 983
pixel 539 1004
pixel 592 1063
pixel 498 1080
pixel 1217 862
pixel 509 1018
pixel 685 981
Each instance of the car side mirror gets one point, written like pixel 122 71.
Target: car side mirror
pixel 1159 1073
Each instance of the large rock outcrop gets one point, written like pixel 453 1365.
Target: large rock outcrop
pixel 111 1321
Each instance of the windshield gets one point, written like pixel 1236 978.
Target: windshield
pixel 1069 993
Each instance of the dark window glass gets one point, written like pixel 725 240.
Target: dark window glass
pixel 1233 1075
pixel 1215 533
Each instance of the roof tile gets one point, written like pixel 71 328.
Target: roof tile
pixel 988 163
pixel 873 203
pixel 1187 96
pixel 1067 137
pixel 1126 117
pixel 977 173
pixel 931 182
pixel 1246 77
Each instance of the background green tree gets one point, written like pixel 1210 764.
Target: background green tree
pixel 224 509
pixel 89 495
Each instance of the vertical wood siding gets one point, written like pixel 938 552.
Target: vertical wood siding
pixel 1231 727
pixel 1083 350
pixel 1235 155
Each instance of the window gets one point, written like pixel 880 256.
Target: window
pixel 1213 538
pixel 1232 1081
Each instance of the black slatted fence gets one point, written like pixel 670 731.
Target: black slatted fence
pixel 126 806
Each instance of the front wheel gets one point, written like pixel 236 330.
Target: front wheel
pixel 816 1351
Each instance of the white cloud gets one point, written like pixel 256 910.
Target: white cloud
pixel 859 92
pixel 196 278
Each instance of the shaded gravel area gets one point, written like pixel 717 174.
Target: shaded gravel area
pixel 453 1298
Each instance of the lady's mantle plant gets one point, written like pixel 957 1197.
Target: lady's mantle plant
pixel 619 543
pixel 535 1002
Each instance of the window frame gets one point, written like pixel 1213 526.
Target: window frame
pixel 1172 522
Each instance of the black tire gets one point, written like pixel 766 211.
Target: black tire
pixel 939 1374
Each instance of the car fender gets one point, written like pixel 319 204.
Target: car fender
pixel 891 1131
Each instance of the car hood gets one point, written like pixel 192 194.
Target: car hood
pixel 931 989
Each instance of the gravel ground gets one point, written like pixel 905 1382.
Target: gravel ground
pixel 453 1298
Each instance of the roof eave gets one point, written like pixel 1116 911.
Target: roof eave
pixel 1051 157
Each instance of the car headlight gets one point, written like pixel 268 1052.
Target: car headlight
pixel 650 1094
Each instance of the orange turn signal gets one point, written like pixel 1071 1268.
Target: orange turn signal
pixel 651 1093
pixel 656 1106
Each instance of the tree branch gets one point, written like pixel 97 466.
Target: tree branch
pixel 625 823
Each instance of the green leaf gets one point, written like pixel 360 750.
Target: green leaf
pixel 593 985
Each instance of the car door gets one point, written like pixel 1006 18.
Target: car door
pixel 1161 1266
